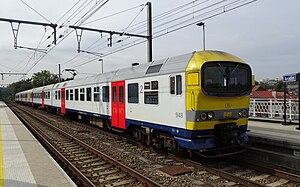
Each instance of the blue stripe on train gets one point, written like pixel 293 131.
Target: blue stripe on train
pixel 185 138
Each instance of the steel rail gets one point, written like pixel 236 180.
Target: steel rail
pixel 116 163
pixel 83 179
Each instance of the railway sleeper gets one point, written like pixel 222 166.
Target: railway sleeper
pixel 77 159
pixel 76 152
pixel 105 167
pixel 97 176
pixel 89 161
pixel 113 178
pixel 93 164
pixel 122 183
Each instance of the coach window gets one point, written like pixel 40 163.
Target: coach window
pixel 55 95
pixel 154 85
pixel 121 94
pixel 67 94
pixel 105 93
pixel 97 93
pixel 114 94
pixel 76 94
pixel 151 96
pixel 71 94
pixel 133 93
pixel 81 94
pixel 58 94
pixel 89 94
pixel 172 85
pixel 178 85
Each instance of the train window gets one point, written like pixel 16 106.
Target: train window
pixel 76 94
pixel 88 94
pixel 133 93
pixel 121 94
pixel 105 93
pixel 172 85
pixel 71 94
pixel 55 95
pixel 178 85
pixel 154 69
pixel 81 94
pixel 151 97
pixel 58 94
pixel 147 85
pixel 97 93
pixel 154 85
pixel 67 94
pixel 114 94
pixel 193 79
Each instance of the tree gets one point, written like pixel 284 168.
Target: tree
pixel 43 78
pixel 279 86
pixel 16 87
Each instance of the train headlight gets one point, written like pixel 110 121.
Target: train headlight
pixel 210 115
pixel 243 113
pixel 203 116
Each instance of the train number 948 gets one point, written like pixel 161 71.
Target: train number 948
pixel 179 115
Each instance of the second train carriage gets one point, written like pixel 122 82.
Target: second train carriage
pixel 199 101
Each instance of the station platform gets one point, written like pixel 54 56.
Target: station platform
pixel 23 161
pixel 274 143
pixel 287 135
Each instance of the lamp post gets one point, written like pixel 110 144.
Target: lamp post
pixel 202 24
pixel 101 60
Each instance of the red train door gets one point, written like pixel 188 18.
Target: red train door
pixel 43 101
pixel 63 101
pixel 118 104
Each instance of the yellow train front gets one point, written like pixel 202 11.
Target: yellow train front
pixel 218 86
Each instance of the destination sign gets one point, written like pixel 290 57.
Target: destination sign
pixel 290 78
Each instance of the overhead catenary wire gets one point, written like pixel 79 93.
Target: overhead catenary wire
pixel 164 24
pixel 181 25
pixel 87 15
pixel 35 11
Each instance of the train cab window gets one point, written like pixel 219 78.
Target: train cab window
pixel 55 95
pixel 67 94
pixel 97 93
pixel 121 94
pixel 114 94
pixel 58 94
pixel 81 94
pixel 105 93
pixel 89 94
pixel 71 95
pixel 133 93
pixel 76 94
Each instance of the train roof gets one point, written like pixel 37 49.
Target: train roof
pixel 158 67
pixel 164 66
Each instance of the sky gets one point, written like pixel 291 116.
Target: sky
pixel 264 33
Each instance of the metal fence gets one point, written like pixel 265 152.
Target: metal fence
pixel 273 109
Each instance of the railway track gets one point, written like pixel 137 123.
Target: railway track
pixel 167 169
pixel 90 166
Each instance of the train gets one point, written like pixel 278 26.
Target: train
pixel 197 102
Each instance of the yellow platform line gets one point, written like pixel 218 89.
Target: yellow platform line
pixel 1 159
